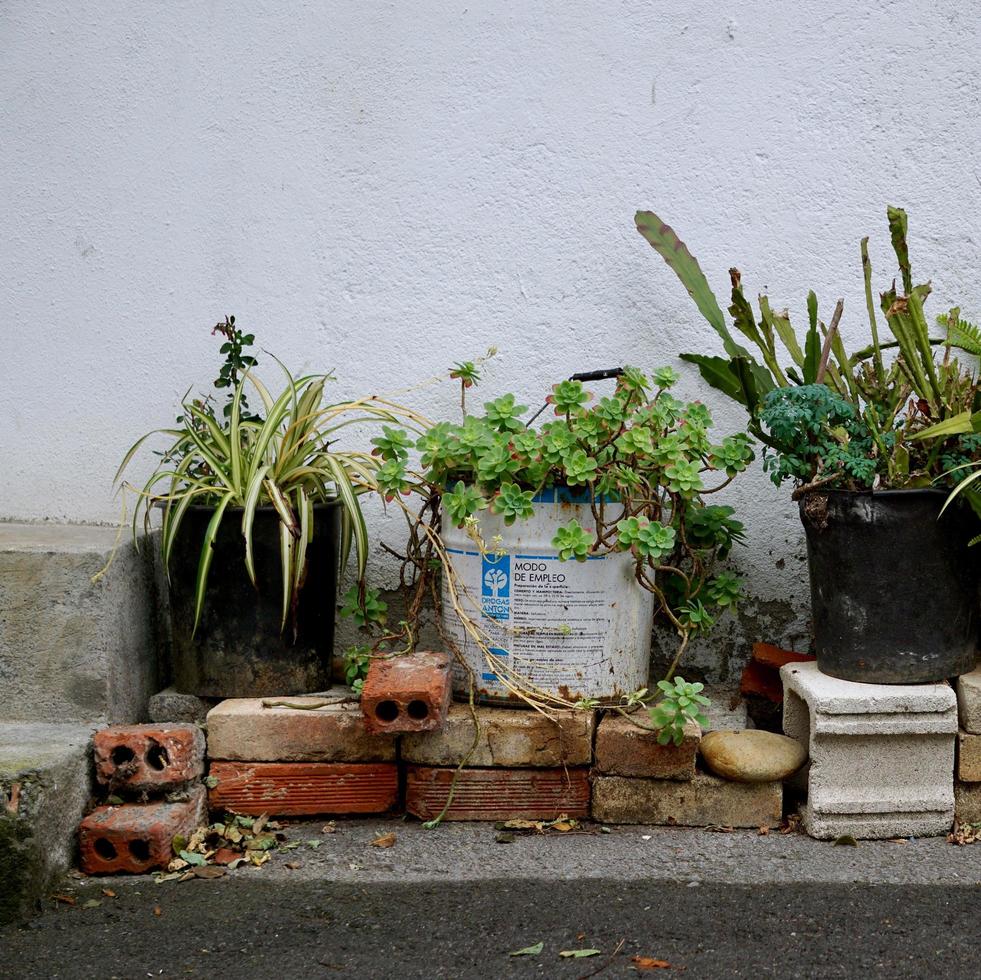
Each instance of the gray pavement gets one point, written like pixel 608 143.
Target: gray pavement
pixel 453 903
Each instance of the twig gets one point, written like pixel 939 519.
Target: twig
pixel 826 352
pixel 605 963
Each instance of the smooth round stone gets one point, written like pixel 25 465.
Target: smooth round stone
pixel 752 756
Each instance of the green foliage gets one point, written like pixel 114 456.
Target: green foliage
pixel 905 416
pixel 466 372
pixel 680 703
pixel 572 541
pixel 363 606
pixel 643 457
pixel 236 363
pixel 512 503
pixel 357 660
pixel 462 502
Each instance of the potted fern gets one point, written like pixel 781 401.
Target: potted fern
pixel 868 439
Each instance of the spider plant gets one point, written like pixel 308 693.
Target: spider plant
pixel 282 457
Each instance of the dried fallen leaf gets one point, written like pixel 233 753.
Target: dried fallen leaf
pixel 329 828
pixel 64 899
pixel 562 825
pixel 157 911
pixel 313 844
pixel 649 963
pixel 386 840
pixel 763 832
pixel 898 840
pixel 293 865
pixel 578 954
pixel 225 855
pixel 504 837
pixel 232 865
pixel 521 825
pixel 108 892
pixel 529 950
pixel 845 840
pixel 210 781
pixel 209 871
pixel 259 823
pixel 92 903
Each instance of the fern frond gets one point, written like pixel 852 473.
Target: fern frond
pixel 962 334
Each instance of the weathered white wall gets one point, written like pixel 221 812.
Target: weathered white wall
pixel 383 188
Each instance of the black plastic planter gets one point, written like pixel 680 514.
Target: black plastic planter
pixel 238 649
pixel 894 590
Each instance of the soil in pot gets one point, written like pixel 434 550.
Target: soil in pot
pixel 894 589
pixel 239 649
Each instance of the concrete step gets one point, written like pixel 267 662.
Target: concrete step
pixel 45 786
pixel 72 650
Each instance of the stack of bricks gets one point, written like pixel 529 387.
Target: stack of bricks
pixel 638 781
pixel 402 747
pixel 967 789
pixel 156 771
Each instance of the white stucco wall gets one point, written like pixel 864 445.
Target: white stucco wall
pixel 383 188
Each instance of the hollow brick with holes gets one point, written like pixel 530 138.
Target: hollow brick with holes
pixel 148 758
pixel 407 693
pixel 137 837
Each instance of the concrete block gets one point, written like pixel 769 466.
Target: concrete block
pixel 703 802
pixel 882 756
pixel 45 786
pixel 296 789
pixel 968 757
pixel 623 749
pixel 497 794
pixel 407 693
pixel 170 706
pixel 137 837
pixel 243 729
pixel 507 737
pixel 71 650
pixel 148 758
pixel 969 701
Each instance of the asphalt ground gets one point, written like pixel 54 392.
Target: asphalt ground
pixel 452 902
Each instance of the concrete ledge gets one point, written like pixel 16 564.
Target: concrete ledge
pixel 71 650
pixel 44 790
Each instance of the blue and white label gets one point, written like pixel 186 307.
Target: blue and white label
pixel 495 586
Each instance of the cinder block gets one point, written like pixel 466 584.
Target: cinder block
pixel 507 737
pixel 969 701
pixel 968 757
pixel 882 755
pixel 623 749
pixel 148 758
pixel 703 802
pixel 498 794
pixel 407 693
pixel 242 729
pixel 169 706
pixel 296 789
pixel 137 837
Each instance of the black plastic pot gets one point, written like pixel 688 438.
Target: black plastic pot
pixel 894 590
pixel 239 649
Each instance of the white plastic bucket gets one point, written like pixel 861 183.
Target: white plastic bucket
pixel 575 629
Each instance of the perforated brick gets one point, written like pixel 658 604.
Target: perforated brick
pixel 148 758
pixel 137 837
pixel 407 693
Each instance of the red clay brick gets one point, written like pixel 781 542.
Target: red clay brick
pixel 137 837
pixel 771 656
pixel 294 789
pixel 148 758
pixel 408 693
pixel 763 681
pixel 498 794
pixel 623 749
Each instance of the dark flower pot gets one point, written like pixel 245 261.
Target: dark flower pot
pixel 894 590
pixel 239 649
